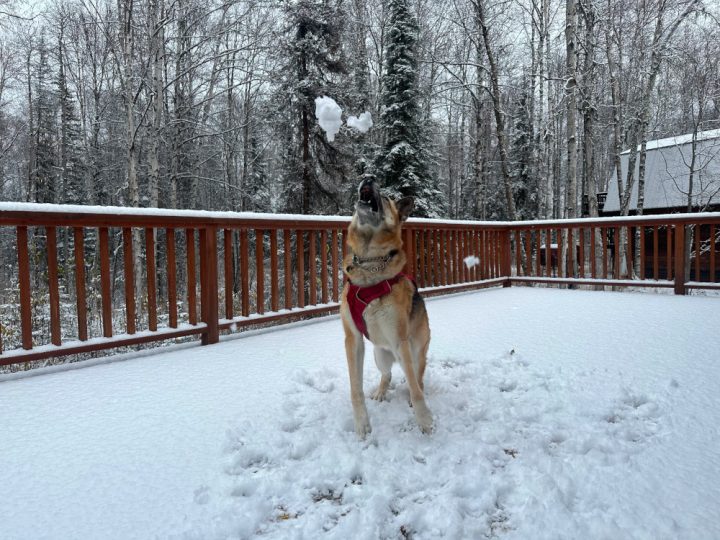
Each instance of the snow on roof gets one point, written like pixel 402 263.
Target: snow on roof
pixel 678 140
pixel 667 173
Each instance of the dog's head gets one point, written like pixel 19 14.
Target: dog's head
pixel 375 211
pixel 375 237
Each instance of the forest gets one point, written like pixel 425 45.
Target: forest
pixel 511 108
pixel 487 110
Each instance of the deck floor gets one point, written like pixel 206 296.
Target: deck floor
pixel 559 414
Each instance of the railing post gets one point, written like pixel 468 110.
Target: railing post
pixel 506 255
pixel 209 284
pixel 24 281
pixel 680 258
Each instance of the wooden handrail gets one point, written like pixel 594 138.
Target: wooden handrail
pixel 275 268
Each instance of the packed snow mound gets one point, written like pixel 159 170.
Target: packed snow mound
pixel 329 114
pixel 511 440
pixel 361 123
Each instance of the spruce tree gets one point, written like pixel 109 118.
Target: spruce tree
pixel 71 165
pixel 257 192
pixel 312 65
pixel 363 146
pixel 524 186
pixel 402 163
pixel 43 164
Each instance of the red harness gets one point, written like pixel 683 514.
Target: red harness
pixel 359 297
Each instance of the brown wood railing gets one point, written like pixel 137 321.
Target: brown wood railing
pixel 675 251
pixel 130 276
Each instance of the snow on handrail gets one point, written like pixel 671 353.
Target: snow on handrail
pixel 11 212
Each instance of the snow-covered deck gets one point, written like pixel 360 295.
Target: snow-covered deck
pixel 560 414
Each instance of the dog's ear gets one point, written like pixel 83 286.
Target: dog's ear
pixel 404 207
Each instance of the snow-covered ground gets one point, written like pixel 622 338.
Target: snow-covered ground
pixel 559 414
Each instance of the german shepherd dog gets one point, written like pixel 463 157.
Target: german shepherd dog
pixel 383 304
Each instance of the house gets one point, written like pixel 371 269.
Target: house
pixel 668 165
pixel 668 188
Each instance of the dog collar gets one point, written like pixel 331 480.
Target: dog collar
pixel 359 297
pixel 381 261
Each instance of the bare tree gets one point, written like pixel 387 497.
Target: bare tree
pixel 481 21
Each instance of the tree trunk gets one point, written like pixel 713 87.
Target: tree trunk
pixel 497 109
pixel 157 15
pixel 32 158
pixel 571 128
pixel 589 113
pixel 540 122
pixel 126 40
pixel 306 175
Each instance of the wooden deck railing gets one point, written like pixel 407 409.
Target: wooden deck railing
pixel 675 251
pixel 129 276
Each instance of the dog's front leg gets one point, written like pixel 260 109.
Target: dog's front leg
pixel 422 413
pixel 355 350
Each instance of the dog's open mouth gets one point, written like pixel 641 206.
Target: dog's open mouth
pixel 368 198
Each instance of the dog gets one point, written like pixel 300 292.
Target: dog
pixel 383 304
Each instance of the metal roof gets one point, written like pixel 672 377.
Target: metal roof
pixel 667 173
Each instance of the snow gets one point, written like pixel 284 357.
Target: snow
pixel 559 414
pixel 328 113
pixel 679 140
pixel 637 283
pixel 116 340
pixel 471 261
pixel 605 221
pixel 31 208
pixel 362 123
pixel 209 216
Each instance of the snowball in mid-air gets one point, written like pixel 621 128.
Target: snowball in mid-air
pixel 328 114
pixel 362 123
pixel 471 261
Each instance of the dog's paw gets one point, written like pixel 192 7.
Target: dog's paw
pixel 424 418
pixel 363 429
pixel 379 395
pixel 362 423
pixel 427 426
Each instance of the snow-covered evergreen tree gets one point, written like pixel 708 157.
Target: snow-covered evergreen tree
pixel 71 166
pixel 402 163
pixel 44 158
pixel 312 65
pixel 524 184
pixel 363 146
pixel 257 184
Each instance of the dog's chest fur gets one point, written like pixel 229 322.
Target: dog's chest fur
pixel 381 318
pixel 389 317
